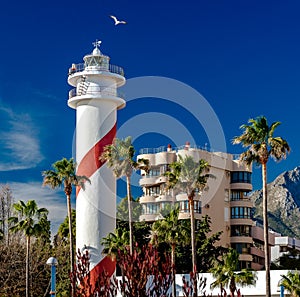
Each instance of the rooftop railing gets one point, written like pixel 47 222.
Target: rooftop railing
pixel 111 68
pixel 182 147
pixel 165 149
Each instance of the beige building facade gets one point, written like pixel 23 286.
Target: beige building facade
pixel 226 200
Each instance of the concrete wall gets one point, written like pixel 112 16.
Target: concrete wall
pixel 258 290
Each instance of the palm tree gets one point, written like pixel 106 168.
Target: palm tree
pixel 187 176
pixel 119 156
pixel 31 221
pixel 170 231
pixel 225 273
pixel 258 138
pixel 64 174
pixel 291 282
pixel 114 242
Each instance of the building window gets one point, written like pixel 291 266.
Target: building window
pixel 164 168
pixel 240 213
pixel 244 265
pixel 149 208
pixel 240 177
pixel 184 206
pixel 197 206
pixel 154 172
pixel 283 249
pixel 259 245
pixel 241 248
pixel 165 205
pixel 240 230
pixel 238 195
pixel 153 191
pixel 258 260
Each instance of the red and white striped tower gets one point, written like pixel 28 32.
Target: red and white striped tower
pixel 96 101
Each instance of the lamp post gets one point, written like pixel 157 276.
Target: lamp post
pixel 53 263
pixel 281 291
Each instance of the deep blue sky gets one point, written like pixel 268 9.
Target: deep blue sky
pixel 242 56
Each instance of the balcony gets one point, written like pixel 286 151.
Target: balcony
pixel 257 252
pixel 149 217
pixel 241 239
pixel 109 68
pixel 241 186
pixel 186 215
pixel 258 234
pixel 241 221
pixel 147 180
pixel 245 257
pixel 256 266
pixel 96 91
pixel 184 197
pixel 147 198
pixel 241 202
pixel 164 198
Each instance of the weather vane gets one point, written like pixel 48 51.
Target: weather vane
pixel 97 43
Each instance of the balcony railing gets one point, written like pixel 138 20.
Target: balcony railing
pixel 96 90
pixel 182 147
pixel 111 68
pixel 245 198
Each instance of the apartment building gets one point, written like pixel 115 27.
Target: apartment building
pixel 285 245
pixel 226 201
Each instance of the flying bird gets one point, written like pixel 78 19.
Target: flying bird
pixel 117 22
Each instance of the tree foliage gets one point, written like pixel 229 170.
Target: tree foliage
pixel 145 274
pixel 261 145
pixel 291 283
pixel 31 221
pixel 120 158
pixel 226 274
pixel 63 173
pixel 188 176
pixel 169 231
pixel 13 254
pixel 61 251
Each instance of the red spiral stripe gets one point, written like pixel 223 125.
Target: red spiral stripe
pixel 87 167
pixel 90 163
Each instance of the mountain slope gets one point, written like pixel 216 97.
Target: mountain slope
pixel 283 203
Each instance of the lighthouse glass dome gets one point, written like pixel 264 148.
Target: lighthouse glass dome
pixel 96 60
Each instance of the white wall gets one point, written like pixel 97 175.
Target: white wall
pixel 250 291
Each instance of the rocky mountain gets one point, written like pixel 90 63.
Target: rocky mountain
pixel 283 203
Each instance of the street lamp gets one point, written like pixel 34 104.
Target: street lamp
pixel 53 263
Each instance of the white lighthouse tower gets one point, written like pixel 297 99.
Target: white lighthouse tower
pixel 96 101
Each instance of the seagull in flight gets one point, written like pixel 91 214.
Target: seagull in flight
pixel 117 22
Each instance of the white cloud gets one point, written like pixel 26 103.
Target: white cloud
pixel 19 145
pixel 53 200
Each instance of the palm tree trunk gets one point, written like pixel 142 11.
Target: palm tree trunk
pixel 266 228
pixel 129 215
pixel 232 287
pixel 71 243
pixel 173 270
pixel 193 241
pixel 27 264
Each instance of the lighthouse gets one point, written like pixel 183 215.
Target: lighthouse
pixel 96 99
